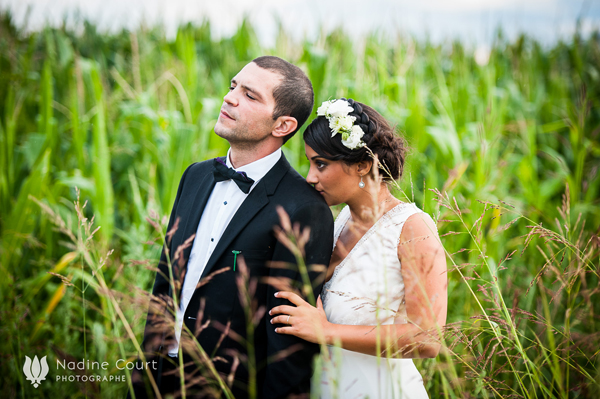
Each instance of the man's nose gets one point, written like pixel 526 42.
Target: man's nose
pixel 231 97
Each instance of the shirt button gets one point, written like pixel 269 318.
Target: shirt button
pixel 212 239
pixel 225 203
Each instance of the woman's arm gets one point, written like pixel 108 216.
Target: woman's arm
pixel 423 261
pixel 424 271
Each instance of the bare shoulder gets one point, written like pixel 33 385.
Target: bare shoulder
pixel 420 249
pixel 419 225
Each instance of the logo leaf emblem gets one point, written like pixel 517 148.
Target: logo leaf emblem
pixel 35 371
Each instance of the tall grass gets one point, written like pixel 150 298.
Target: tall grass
pixel 505 155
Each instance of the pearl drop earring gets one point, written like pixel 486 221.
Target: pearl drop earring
pixel 361 184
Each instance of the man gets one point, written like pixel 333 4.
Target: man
pixel 230 204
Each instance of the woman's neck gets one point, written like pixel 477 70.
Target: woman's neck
pixel 371 203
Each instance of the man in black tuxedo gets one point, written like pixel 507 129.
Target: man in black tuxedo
pixel 224 214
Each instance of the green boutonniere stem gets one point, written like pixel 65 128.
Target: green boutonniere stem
pixel 235 254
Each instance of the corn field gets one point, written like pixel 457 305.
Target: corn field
pixel 96 129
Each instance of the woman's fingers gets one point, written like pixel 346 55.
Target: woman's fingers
pixel 284 330
pixel 283 309
pixel 283 319
pixel 319 303
pixel 290 296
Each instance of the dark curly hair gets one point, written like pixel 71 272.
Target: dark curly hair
pixel 379 137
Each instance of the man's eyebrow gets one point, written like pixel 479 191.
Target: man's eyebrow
pixel 250 89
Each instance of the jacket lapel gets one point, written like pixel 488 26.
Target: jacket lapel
pixel 256 200
pixel 205 188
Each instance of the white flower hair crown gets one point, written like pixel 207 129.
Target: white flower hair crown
pixel 336 112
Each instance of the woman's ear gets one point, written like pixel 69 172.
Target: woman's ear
pixel 284 125
pixel 364 167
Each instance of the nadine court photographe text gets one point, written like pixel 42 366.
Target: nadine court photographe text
pixel 37 370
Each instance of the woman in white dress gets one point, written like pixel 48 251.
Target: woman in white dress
pixel 384 301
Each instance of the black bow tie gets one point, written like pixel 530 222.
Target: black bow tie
pixel 222 172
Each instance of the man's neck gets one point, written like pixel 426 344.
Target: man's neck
pixel 243 156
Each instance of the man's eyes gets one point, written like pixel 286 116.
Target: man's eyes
pixel 247 94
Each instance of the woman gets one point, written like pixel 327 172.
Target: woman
pixel 385 297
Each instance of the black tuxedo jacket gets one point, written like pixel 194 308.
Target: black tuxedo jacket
pixel 217 303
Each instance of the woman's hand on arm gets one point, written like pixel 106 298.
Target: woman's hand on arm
pixel 305 321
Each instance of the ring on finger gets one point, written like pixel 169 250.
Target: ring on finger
pixel 288 320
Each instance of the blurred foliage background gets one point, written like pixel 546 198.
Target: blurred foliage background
pixel 510 140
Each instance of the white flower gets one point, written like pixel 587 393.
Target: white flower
pixel 341 124
pixel 322 110
pixel 355 140
pixel 337 113
pixel 339 108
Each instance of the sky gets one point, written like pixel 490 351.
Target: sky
pixel 473 21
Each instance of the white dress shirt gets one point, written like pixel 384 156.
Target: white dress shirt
pixel 223 203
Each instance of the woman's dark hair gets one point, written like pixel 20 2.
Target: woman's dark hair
pixel 379 137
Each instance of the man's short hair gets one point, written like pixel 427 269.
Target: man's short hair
pixel 294 96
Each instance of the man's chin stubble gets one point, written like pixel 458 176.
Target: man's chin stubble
pixel 237 140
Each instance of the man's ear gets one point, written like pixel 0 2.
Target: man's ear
pixel 284 125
